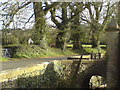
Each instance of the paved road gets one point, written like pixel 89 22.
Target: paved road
pixel 26 62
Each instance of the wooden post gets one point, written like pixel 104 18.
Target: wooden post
pixel 91 56
pixel 99 55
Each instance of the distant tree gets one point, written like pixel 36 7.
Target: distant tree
pixel 63 22
pixel 10 10
pixel 40 24
pixel 75 26
pixel 40 9
pixel 98 18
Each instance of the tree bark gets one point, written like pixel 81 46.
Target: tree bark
pixel 76 42
pixel 94 41
pixel 76 30
pixel 60 41
pixel 39 32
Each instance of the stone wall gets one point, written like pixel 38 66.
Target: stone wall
pixel 54 74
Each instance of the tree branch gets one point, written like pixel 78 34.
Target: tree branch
pixel 53 18
pixel 48 7
pixel 29 19
pixel 12 13
pixel 88 6
pixel 59 17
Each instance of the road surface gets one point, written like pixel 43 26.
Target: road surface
pixel 26 62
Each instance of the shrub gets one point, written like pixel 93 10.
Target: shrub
pixel 51 36
pixel 9 39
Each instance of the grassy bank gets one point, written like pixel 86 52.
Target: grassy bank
pixel 28 51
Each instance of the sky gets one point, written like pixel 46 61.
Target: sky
pixel 23 16
pixel 17 18
pixel 63 0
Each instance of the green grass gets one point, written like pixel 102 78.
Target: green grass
pixel 102 45
pixel 70 45
pixel 29 51
pixel 94 50
pixel 88 48
pixel 36 51
pixel 84 46
pixel 2 59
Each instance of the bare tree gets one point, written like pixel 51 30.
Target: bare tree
pixel 11 9
pixel 75 25
pixel 97 17
pixel 63 22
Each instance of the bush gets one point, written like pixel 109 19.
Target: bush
pixel 51 36
pixel 23 39
pixel 21 36
pixel 9 39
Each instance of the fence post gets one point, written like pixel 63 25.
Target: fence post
pixel 99 55
pixel 92 55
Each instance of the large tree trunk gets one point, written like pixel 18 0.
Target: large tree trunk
pixel 60 41
pixel 94 42
pixel 76 31
pixel 39 31
pixel 76 41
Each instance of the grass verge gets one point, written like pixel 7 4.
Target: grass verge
pixel 2 59
pixel 30 51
